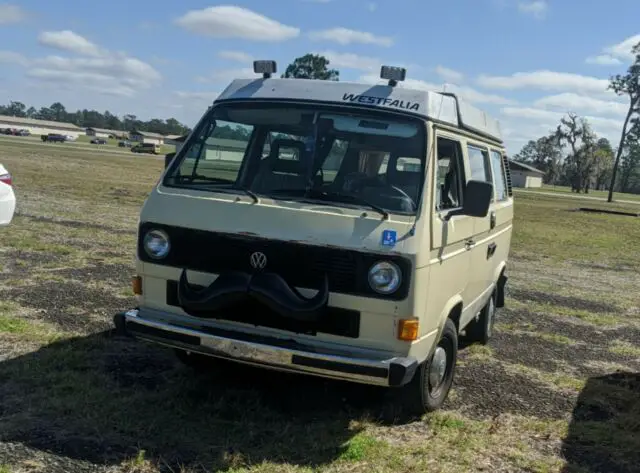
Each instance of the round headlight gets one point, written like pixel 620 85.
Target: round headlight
pixel 385 277
pixel 156 244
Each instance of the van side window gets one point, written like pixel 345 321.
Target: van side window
pixel 450 175
pixel 499 175
pixel 479 163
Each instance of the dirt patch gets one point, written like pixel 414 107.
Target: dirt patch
pixel 56 303
pixel 486 389
pixel 527 295
pixel 76 224
pixel 118 273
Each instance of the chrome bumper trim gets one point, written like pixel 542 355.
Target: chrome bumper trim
pixel 389 372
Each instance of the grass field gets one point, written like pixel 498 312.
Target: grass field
pixel 592 193
pixel 558 388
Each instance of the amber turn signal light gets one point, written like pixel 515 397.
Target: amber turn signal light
pixel 136 285
pixel 408 329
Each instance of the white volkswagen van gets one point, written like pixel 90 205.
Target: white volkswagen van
pixel 343 230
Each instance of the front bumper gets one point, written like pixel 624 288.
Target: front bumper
pixel 271 352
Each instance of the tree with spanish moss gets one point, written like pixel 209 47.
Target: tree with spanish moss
pixel 626 84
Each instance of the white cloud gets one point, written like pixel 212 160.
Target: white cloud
pixel 96 69
pixel 237 56
pixel 617 53
pixel 11 14
pixel 603 60
pixel 69 41
pixel 546 80
pixel 600 124
pixel 346 36
pixel 570 102
pixel 351 61
pixel 538 8
pixel 227 75
pixel 10 57
pixel 449 75
pixel 467 93
pixel 230 21
pixel 112 74
pixel 197 96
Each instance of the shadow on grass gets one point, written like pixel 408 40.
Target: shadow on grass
pixel 103 398
pixel 604 434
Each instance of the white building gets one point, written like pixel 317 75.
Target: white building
pixel 523 175
pixel 146 137
pixel 104 133
pixel 40 127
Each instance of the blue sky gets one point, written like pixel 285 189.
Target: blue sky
pixel 527 62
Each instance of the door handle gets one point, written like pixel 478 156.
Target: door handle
pixel 491 249
pixel 469 243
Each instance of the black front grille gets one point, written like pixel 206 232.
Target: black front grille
pixel 299 264
pixel 334 321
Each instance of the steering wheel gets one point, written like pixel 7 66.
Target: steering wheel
pixel 358 184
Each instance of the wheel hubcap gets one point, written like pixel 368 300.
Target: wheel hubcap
pixel 438 368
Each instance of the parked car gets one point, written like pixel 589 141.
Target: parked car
pixel 7 197
pixel 98 141
pixel 150 148
pixel 53 137
pixel 124 144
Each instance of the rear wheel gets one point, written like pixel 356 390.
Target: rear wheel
pixel 432 382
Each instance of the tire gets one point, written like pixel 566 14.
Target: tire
pixel 481 330
pixel 420 396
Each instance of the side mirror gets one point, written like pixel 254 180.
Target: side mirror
pixel 477 199
pixel 168 158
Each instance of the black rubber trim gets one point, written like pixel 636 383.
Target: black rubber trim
pixel 401 371
pixel 502 282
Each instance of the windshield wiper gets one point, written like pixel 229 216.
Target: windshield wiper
pixel 203 179
pixel 319 194
pixel 217 180
pixel 250 193
pixel 356 199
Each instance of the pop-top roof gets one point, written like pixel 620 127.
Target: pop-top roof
pixel 443 107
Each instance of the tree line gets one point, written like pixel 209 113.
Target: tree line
pixel 94 119
pixel 574 156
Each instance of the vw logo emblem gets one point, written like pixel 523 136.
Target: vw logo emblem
pixel 258 260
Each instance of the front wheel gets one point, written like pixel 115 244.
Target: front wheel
pixel 432 382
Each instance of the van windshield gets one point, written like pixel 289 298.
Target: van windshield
pixel 298 152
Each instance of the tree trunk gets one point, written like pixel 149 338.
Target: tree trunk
pixel 619 151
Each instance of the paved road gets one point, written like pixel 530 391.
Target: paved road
pixel 577 196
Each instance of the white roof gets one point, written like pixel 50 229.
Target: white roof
pixel 443 107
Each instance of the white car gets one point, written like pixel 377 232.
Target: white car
pixel 7 197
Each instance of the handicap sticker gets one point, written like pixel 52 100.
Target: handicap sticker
pixel 389 237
